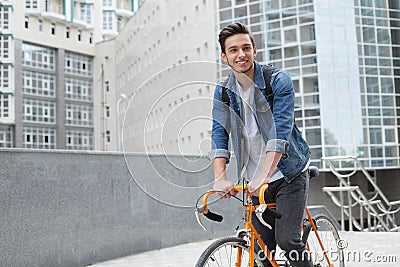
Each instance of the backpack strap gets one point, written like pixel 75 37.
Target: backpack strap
pixel 269 94
pixel 225 96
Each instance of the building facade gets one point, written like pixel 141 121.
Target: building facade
pixel 343 57
pixel 164 62
pixel 46 69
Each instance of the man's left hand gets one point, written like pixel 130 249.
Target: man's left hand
pixel 254 186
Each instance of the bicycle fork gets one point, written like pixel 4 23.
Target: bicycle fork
pixel 253 237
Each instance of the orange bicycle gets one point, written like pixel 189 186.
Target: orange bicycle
pixel 319 234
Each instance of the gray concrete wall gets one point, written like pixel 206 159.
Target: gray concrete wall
pixel 63 208
pixel 73 209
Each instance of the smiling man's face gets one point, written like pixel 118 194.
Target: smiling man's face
pixel 239 52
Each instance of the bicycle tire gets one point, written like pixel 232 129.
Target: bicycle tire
pixel 223 253
pixel 330 238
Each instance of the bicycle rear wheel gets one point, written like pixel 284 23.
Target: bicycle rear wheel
pixel 224 252
pixel 329 237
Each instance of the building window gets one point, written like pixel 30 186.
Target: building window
pixel 5 71
pixel 107 111
pixel 43 138
pixel 86 11
pixel 108 137
pixel 40 84
pixel 84 116
pixel 53 28
pixel 90 38
pixel 67 31
pixel 79 35
pixel 79 115
pixel 31 4
pixel 40 25
pixel 76 89
pixel 107 86
pixel 4 106
pixel 120 25
pixel 79 139
pixel 107 23
pixel 107 3
pixel 78 64
pixel 69 114
pixel 40 111
pixel 26 22
pixel 38 56
pixel 5 42
pixel 4 18
pixel 389 135
pixel 5 136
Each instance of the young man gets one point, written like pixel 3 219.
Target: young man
pixel 267 145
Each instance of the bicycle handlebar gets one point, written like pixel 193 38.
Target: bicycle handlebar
pixel 313 172
pixel 216 217
pixel 238 188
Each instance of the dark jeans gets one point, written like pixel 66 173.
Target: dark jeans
pixel 290 201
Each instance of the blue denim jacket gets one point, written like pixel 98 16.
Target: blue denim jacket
pixel 277 128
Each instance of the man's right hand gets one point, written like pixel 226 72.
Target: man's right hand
pixel 226 186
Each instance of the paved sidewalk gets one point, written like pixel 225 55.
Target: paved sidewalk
pixel 364 250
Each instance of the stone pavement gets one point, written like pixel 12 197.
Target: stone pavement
pixel 363 250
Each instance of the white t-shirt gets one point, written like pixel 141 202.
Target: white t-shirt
pixel 254 147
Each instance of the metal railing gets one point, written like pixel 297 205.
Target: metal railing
pixel 378 212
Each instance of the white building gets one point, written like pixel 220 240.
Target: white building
pixel 164 115
pixel 46 69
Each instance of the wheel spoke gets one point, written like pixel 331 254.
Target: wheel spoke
pixel 329 238
pixel 224 253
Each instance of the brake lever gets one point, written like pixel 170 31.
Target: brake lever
pixel 259 211
pixel 197 212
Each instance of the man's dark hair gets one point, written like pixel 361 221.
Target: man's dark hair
pixel 232 29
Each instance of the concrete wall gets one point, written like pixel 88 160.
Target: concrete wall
pixel 73 209
pixel 63 208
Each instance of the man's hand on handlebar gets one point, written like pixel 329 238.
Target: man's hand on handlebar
pixel 255 185
pixel 224 185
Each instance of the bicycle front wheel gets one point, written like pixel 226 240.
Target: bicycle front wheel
pixel 226 252
pixel 331 254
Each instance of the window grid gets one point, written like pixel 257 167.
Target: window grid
pixel 40 84
pixel 290 27
pixel 377 85
pixel 86 11
pixel 79 139
pixel 31 4
pixel 107 3
pixel 6 136
pixel 78 115
pixel 5 73
pixel 5 13
pixel 4 106
pixel 38 57
pixel 5 43
pixel 107 23
pixel 42 138
pixel 78 64
pixel 78 90
pixel 39 111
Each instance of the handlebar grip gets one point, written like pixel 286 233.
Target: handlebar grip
pixel 313 171
pixel 274 213
pixel 213 216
